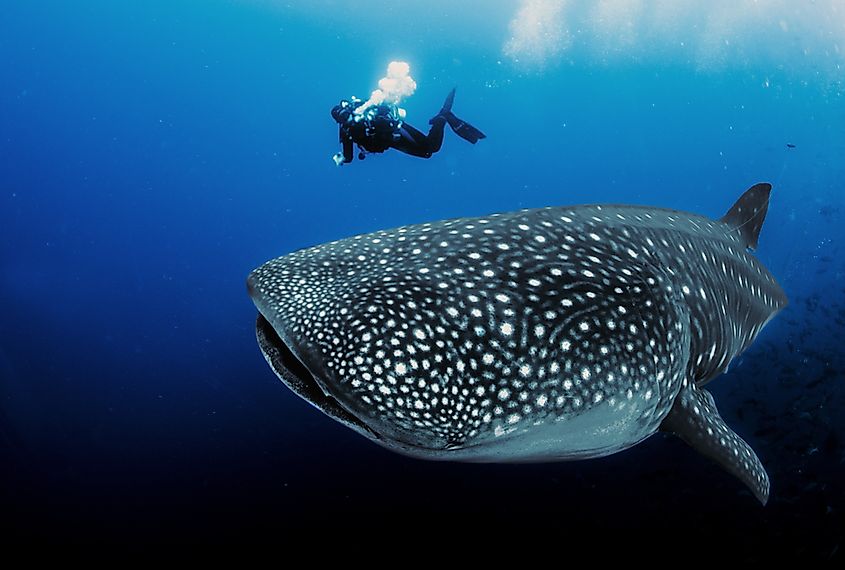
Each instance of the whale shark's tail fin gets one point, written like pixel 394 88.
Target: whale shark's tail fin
pixel 695 419
pixel 746 216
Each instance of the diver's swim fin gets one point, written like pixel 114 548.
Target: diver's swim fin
pixel 447 104
pixel 464 129
pixel 446 109
pixel 461 128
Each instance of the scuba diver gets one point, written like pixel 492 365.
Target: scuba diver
pixel 376 128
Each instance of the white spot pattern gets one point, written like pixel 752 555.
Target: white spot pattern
pixel 440 329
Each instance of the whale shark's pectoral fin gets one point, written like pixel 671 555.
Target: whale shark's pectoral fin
pixel 695 419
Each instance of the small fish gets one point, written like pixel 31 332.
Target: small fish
pixel 828 211
pixel 549 334
pixel 790 145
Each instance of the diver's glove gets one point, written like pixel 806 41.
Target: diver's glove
pixel 338 159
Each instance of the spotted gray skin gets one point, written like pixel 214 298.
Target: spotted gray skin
pixel 547 334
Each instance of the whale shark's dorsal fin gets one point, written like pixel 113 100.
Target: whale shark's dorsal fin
pixel 695 419
pixel 746 216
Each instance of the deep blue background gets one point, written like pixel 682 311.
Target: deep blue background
pixel 152 154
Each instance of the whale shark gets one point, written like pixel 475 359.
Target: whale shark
pixel 550 334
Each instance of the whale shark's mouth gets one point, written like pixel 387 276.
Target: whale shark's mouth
pixel 299 379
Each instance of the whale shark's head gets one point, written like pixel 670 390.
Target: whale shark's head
pixel 366 348
pixel 464 339
pixel 336 342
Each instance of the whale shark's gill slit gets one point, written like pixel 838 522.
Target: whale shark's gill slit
pixel 297 376
pixel 658 386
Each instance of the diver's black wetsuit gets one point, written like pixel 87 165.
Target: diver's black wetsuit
pixel 379 128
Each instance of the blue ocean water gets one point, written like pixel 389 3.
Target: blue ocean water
pixel 152 154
